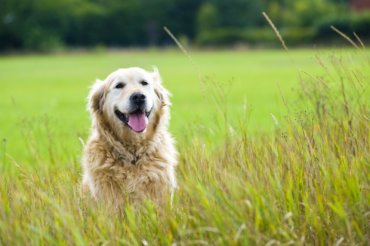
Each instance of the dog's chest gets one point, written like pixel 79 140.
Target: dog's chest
pixel 130 177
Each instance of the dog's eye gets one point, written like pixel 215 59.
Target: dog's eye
pixel 144 83
pixel 119 85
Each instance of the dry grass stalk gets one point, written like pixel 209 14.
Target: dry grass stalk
pixel 344 36
pixel 359 40
pixel 275 30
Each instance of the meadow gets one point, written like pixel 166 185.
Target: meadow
pixel 274 149
pixel 39 92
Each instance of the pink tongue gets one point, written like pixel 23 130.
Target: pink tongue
pixel 138 121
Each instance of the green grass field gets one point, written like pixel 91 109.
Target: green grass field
pixel 263 160
pixel 53 89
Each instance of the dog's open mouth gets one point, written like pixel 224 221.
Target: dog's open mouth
pixel 136 120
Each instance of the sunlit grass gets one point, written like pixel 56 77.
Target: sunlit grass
pixel 52 88
pixel 306 181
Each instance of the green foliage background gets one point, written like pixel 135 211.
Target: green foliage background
pixel 44 25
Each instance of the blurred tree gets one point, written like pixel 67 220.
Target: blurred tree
pixel 86 25
pixel 9 31
pixel 180 18
pixel 48 24
pixel 207 18
pixel 44 25
pixel 240 13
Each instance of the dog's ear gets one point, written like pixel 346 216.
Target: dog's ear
pixel 159 90
pixel 160 95
pixel 156 76
pixel 96 97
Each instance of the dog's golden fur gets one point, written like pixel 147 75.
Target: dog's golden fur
pixel 120 165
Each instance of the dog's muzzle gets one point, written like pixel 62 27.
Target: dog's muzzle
pixel 137 118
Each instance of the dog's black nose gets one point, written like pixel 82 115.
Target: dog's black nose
pixel 138 98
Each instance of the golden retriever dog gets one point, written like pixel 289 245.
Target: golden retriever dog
pixel 130 156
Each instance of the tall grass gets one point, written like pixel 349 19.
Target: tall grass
pixel 307 183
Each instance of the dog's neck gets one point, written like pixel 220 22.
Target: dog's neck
pixel 126 146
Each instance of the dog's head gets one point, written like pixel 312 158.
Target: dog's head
pixel 128 99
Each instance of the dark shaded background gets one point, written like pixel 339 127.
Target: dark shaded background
pixel 42 25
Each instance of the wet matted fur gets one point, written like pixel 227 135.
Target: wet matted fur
pixel 121 161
